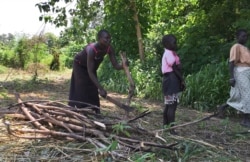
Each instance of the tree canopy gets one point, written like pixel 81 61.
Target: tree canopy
pixel 204 28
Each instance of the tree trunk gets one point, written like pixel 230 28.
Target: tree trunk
pixel 138 30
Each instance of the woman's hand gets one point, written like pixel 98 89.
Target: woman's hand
pixel 232 82
pixel 103 93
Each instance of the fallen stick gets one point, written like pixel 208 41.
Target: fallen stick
pixel 189 123
pixel 56 122
pixel 49 133
pixel 139 116
pixel 26 112
pixel 71 113
pixel 58 102
pixel 144 143
pixel 69 120
pixel 197 141
pixel 15 116
pixel 22 117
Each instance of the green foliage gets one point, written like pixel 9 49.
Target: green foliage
pixel 122 26
pixel 111 147
pixel 55 64
pixel 190 150
pixel 208 87
pixel 8 58
pixel 3 92
pixel 46 60
pixel 2 69
pixel 112 79
pixel 39 52
pixel 22 51
pixel 121 128
pixel 63 58
pixel 146 76
pixel 144 157
pixel 147 79
pixel 84 15
pixel 70 52
pixel 138 107
pixel 27 51
pixel 204 29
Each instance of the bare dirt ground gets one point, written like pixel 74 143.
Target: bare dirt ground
pixel 226 136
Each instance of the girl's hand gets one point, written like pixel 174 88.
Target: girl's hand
pixel 183 86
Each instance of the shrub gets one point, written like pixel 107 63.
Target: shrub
pixel 208 87
pixel 70 52
pixel 145 75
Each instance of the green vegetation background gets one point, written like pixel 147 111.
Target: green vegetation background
pixel 205 31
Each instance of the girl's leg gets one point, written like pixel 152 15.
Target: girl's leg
pixel 165 116
pixel 171 116
pixel 171 113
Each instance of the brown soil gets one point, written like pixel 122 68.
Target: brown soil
pixel 224 135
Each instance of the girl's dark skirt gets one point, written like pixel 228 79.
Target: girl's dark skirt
pixel 82 88
pixel 170 84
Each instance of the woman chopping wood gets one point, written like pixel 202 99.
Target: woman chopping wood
pixel 84 86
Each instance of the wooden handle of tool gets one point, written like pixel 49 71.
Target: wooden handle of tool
pixel 130 79
pixel 119 104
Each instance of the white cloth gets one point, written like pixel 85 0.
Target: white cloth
pixel 240 93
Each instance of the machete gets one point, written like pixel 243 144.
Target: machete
pixel 119 104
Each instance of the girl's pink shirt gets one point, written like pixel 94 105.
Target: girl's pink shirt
pixel 168 59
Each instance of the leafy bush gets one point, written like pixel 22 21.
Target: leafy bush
pixel 46 60
pixel 145 75
pixel 8 58
pixel 63 58
pixel 70 52
pixel 2 69
pixel 112 79
pixel 208 87
pixel 147 79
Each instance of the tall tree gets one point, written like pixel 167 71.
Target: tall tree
pixel 138 29
pixel 127 29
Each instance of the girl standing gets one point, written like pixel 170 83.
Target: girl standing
pixel 173 82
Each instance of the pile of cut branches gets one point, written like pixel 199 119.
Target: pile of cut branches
pixel 54 119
